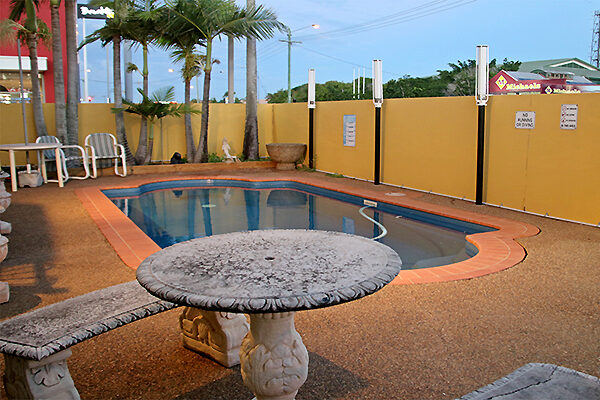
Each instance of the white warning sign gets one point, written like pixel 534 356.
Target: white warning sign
pixel 568 116
pixel 525 120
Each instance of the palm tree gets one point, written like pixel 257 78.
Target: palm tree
pixel 60 106
pixel 59 80
pixel 180 35
pixel 251 129
pixel 112 32
pixel 72 72
pixel 31 31
pixel 144 29
pixel 191 68
pixel 213 18
pixel 161 104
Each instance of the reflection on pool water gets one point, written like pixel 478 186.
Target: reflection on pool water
pixel 175 214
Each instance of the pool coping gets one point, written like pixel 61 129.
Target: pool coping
pixel 497 249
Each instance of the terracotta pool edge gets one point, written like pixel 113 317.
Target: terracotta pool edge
pixel 497 250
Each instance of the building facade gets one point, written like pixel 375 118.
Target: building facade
pixel 560 76
pixel 9 61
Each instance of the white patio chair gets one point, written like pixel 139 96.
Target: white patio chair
pixel 70 155
pixel 104 146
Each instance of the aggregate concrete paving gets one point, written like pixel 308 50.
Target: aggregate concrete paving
pixel 423 341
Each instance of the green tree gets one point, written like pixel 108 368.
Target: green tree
pixel 250 145
pixel 328 91
pixel 30 31
pixel 60 106
pixel 213 18
pixel 463 78
pixel 112 32
pixel 161 104
pixel 463 75
pixel 407 86
pixel 73 75
pixel 178 35
pixel 143 28
pixel 506 65
pixel 60 116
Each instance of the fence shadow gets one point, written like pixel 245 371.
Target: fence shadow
pixel 30 255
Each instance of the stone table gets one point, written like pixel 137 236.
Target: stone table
pixel 270 275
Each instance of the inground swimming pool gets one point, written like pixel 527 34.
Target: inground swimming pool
pixel 174 211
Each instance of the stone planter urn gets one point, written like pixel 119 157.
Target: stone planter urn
pixel 4 288
pixel 286 154
pixel 5 198
pixel 3 248
pixel 4 195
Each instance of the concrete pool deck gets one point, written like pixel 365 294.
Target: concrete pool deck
pixel 419 341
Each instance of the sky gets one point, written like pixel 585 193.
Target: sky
pixel 411 37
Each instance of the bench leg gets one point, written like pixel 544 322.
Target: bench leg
pixel 45 379
pixel 217 335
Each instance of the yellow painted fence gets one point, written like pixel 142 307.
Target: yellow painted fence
pixel 427 144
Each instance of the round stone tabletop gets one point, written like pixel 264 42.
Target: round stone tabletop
pixel 269 271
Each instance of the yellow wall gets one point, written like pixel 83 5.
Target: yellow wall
pixel 427 144
pixel 547 169
pixel 330 153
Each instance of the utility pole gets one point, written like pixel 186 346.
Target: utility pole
pixel 482 76
pixel 595 53
pixel 289 42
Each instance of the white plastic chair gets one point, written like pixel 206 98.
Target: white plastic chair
pixel 50 156
pixel 104 146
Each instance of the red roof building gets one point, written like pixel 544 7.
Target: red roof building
pixel 9 60
pixel 516 82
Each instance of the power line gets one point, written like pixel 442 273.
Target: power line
pixel 354 64
pixel 431 8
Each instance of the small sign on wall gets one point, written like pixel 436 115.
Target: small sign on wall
pixel 568 116
pixel 525 120
pixel 350 130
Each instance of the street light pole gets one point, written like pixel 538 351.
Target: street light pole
pixel 289 42
pixel 482 76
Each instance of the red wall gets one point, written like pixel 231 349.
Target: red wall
pixel 43 13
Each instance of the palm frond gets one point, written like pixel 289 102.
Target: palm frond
pixel 17 8
pixel 215 17
pixel 8 32
pixel 164 94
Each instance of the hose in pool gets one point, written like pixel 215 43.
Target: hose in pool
pixel 383 230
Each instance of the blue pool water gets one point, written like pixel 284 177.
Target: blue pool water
pixel 176 211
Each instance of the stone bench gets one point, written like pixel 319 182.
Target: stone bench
pixel 36 344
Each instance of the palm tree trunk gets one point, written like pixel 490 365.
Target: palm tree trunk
pixel 141 153
pixel 189 137
pixel 148 158
pixel 36 99
pixel 118 95
pixel 59 79
pixel 202 150
pixel 251 130
pixel 72 72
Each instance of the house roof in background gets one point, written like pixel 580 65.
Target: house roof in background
pixel 573 66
